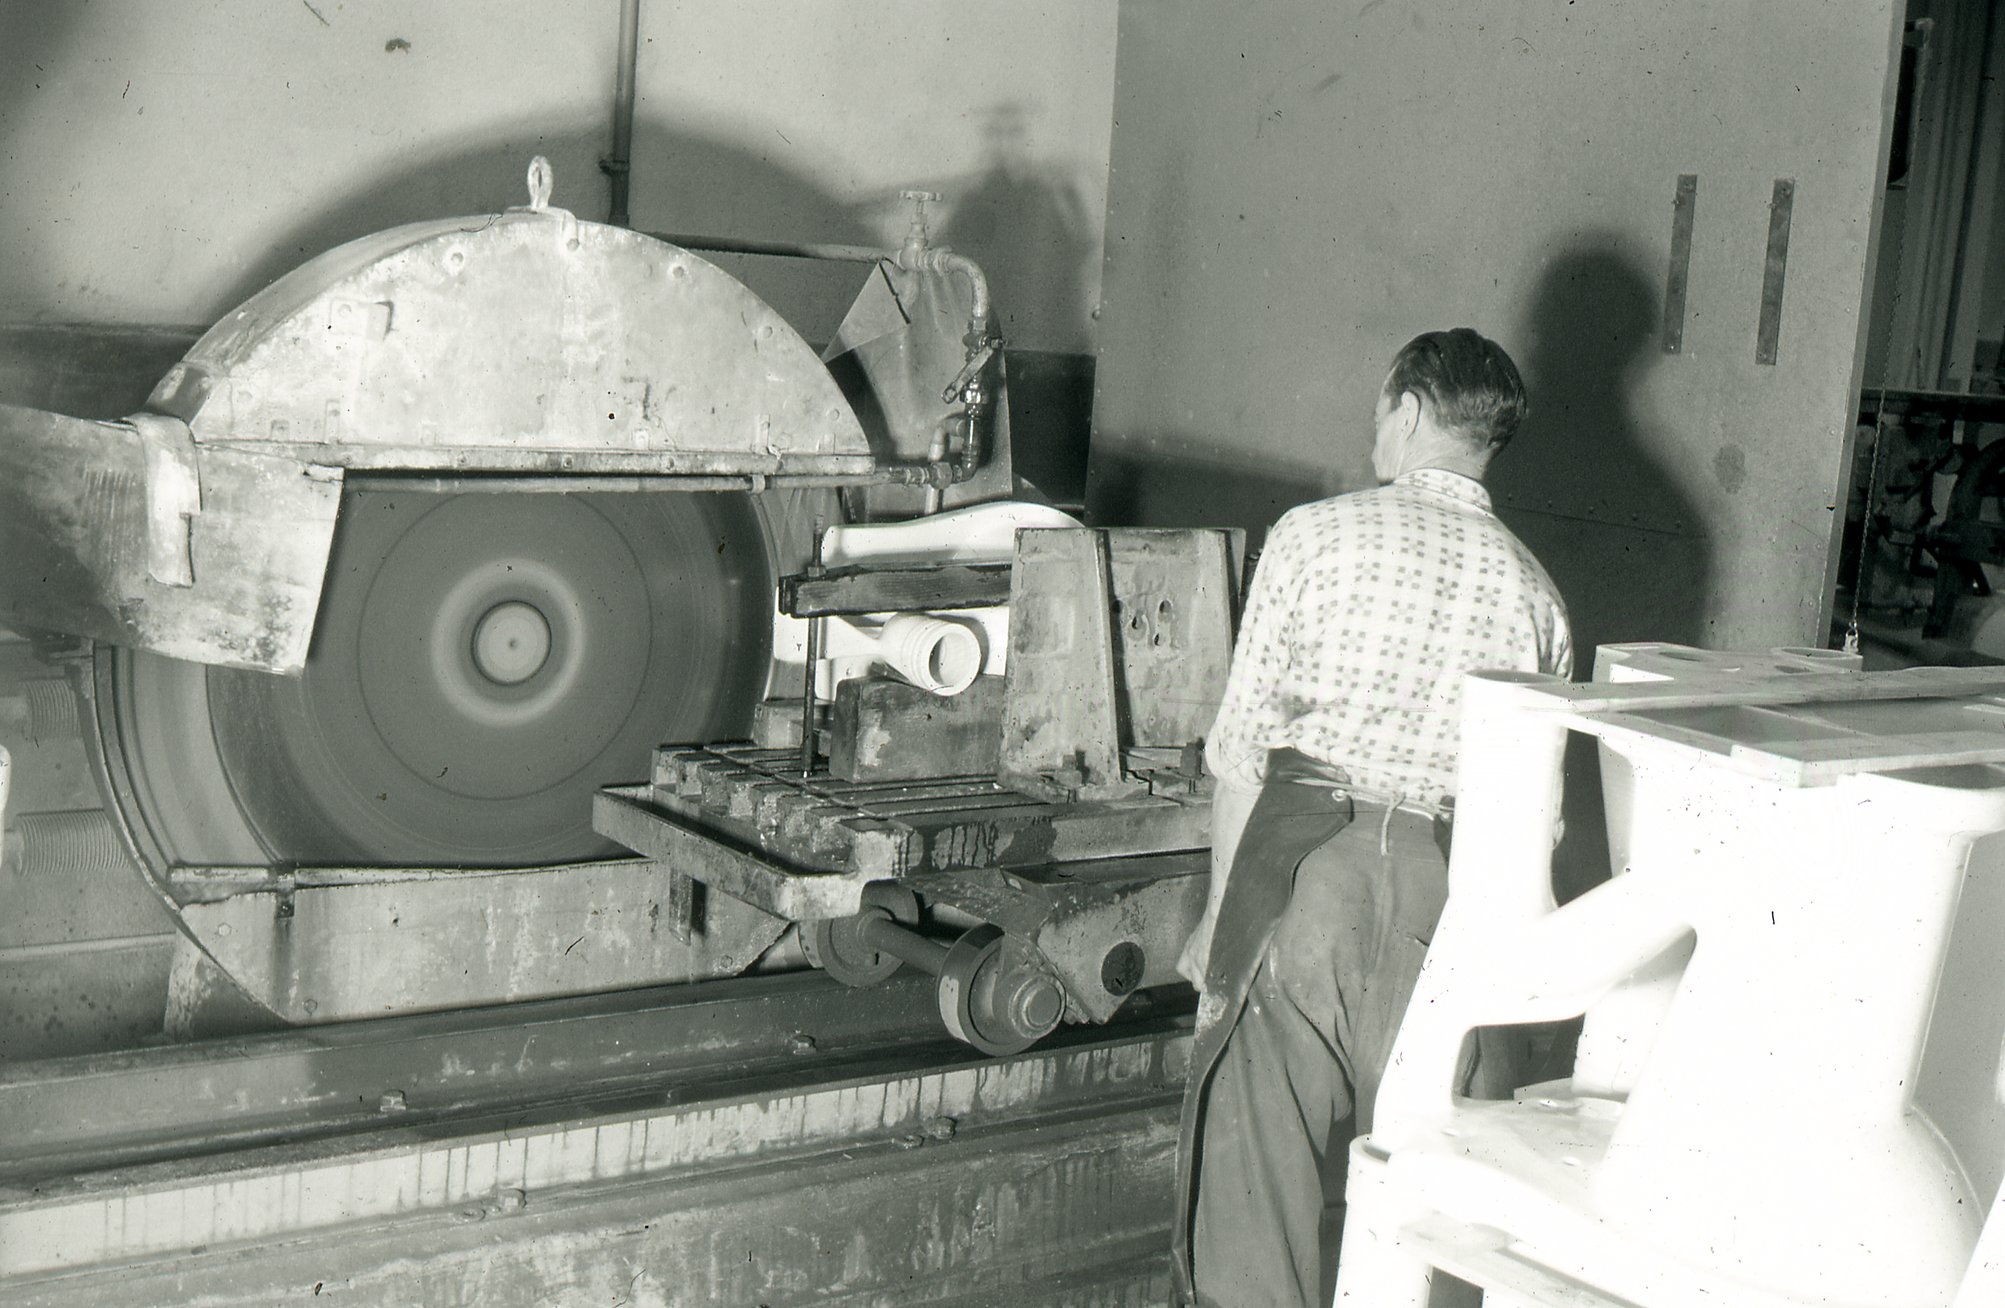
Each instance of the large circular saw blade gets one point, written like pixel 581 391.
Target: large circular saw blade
pixel 481 664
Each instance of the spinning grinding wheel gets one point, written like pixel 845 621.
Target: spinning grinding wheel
pixel 482 663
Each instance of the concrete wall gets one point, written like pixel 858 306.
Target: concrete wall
pixel 1298 188
pixel 159 162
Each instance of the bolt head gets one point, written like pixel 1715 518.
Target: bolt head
pixel 1036 1004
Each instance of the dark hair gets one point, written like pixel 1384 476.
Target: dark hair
pixel 1468 380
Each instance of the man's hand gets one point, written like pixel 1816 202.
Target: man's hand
pixel 1197 950
pixel 1231 804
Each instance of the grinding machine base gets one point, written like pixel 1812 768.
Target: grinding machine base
pixel 1027 911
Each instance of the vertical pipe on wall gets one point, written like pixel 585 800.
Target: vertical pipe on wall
pixel 618 164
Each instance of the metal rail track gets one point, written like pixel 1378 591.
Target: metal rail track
pixel 771 1140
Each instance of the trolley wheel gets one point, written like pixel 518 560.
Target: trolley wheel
pixel 996 994
pixel 835 944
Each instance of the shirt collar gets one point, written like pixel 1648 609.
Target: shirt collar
pixel 1450 485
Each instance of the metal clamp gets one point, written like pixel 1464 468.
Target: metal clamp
pixel 173 496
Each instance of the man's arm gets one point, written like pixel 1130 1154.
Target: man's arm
pixel 1236 761
pixel 1559 659
pixel 1560 664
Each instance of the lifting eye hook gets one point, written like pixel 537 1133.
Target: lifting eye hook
pixel 542 179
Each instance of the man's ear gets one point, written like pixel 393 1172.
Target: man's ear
pixel 1408 412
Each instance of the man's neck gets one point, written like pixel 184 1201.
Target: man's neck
pixel 1462 465
pixel 1431 447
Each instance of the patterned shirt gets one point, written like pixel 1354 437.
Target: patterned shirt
pixel 1365 612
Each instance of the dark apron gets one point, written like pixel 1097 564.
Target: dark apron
pixel 1297 811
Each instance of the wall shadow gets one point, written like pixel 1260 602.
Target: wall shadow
pixel 1027 225
pixel 1168 483
pixel 1024 223
pixel 1027 229
pixel 684 183
pixel 1587 483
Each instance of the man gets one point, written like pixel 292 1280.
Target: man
pixel 1334 750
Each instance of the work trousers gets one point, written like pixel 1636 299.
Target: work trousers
pixel 1300 1065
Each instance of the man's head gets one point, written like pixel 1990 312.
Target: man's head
pixel 1451 400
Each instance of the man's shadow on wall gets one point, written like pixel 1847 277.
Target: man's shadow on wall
pixel 1596 491
pixel 1025 221
pixel 1590 484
